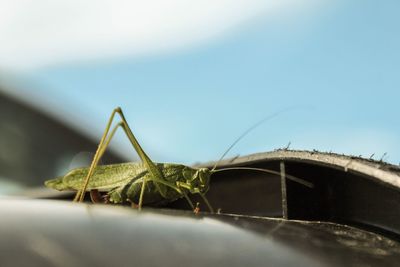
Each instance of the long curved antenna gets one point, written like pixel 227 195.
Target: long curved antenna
pixel 269 117
pixel 291 177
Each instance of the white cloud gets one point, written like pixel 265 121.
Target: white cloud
pixel 37 33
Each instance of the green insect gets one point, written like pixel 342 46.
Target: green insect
pixel 145 183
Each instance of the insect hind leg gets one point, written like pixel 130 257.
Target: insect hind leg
pixel 104 142
pixel 156 174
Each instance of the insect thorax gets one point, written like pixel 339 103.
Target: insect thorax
pixel 197 179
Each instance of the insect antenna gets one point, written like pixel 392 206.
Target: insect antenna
pixel 291 177
pixel 251 128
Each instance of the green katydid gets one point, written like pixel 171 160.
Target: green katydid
pixel 146 182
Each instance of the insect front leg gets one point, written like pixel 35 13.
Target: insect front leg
pixel 206 201
pixel 187 198
pixel 195 191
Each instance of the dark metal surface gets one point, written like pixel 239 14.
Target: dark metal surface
pixel 351 190
pixel 57 233
pixel 34 146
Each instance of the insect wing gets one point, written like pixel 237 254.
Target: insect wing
pixel 105 177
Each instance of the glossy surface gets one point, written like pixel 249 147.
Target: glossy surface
pixel 56 233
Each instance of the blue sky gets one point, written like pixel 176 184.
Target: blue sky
pixel 338 61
